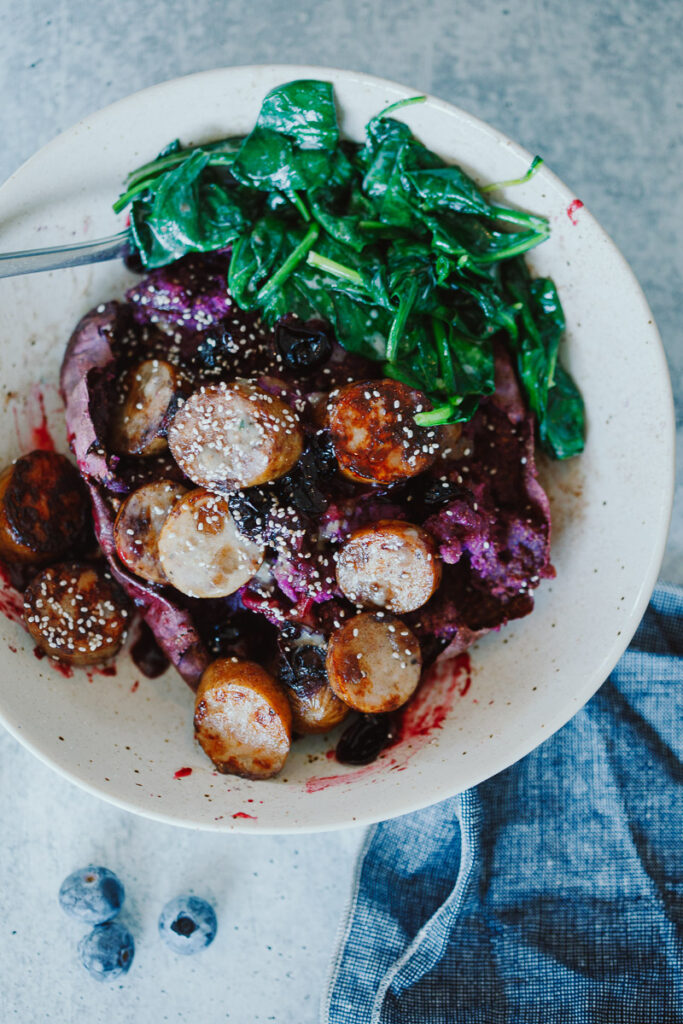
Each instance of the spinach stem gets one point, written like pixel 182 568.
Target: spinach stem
pixel 140 180
pixel 433 417
pixel 334 268
pixel 296 199
pixel 527 220
pixel 534 166
pixel 399 322
pixel 532 239
pixel 295 257
pixel 398 105
pixel 444 353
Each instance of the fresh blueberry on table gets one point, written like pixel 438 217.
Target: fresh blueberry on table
pixel 93 894
pixel 107 951
pixel 187 924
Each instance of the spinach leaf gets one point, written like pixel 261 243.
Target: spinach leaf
pixel 293 143
pixel 193 209
pixel 254 257
pixel 304 110
pixel 550 390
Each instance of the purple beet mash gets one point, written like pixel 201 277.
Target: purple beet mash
pixel 482 502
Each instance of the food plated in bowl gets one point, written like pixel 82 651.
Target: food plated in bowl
pixel 423 766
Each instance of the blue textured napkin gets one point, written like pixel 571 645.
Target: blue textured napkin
pixel 551 894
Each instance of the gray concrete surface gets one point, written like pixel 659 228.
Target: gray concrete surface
pixel 597 89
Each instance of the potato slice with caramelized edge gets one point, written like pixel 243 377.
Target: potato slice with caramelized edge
pixel 76 613
pixel 317 711
pixel 138 525
pixel 44 508
pixel 374 433
pixel 242 719
pixel 390 564
pixel 228 436
pixel 373 662
pixel 139 419
pixel 202 552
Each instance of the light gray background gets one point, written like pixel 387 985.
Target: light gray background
pixel 597 89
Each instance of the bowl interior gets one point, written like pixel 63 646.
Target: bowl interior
pixel 124 736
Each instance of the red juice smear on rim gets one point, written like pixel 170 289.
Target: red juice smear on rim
pixel 423 713
pixel 572 209
pixel 31 422
pixel 427 710
pixel 182 773
pixel 11 601
pixel 42 438
pixel 241 814
pixel 320 782
pixel 61 667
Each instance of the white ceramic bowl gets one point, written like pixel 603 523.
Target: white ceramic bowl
pixel 124 737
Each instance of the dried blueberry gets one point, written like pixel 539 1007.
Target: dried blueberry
pixel 303 346
pixel 364 739
pixel 251 510
pixel 107 951
pixel 302 660
pixel 93 894
pixel 242 634
pixel 187 924
pixel 308 663
pixel 303 488
pixel 216 350
pixel 440 492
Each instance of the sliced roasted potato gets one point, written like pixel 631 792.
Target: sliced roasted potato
pixel 147 402
pixel 373 662
pixel 138 524
pixel 317 711
pixel 76 613
pixel 242 719
pixel 374 433
pixel 44 508
pixel 228 436
pixel 390 564
pixel 201 551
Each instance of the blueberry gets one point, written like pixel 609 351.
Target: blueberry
pixel 187 924
pixel 93 894
pixel 303 346
pixel 364 740
pixel 107 951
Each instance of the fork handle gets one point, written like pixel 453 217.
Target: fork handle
pixel 32 261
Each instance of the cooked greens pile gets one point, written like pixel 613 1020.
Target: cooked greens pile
pixel 403 254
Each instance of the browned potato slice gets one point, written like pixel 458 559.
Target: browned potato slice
pixel 76 613
pixel 44 508
pixel 373 662
pixel 242 719
pixel 373 429
pixel 202 552
pixel 139 420
pixel 317 711
pixel 138 524
pixel 390 564
pixel 228 436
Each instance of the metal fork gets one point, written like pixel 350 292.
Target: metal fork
pixel 57 257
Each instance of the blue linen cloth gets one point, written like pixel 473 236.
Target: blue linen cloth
pixel 550 894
